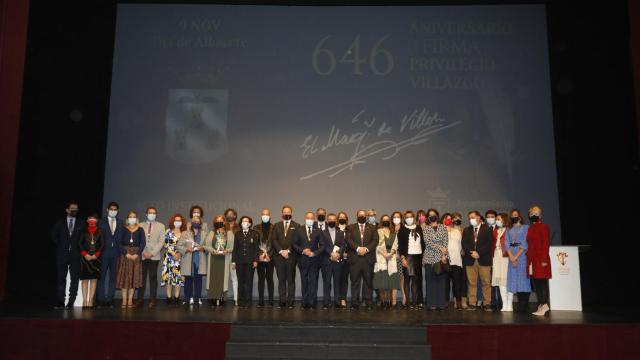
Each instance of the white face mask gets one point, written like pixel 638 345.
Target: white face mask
pixel 499 223
pixel 473 222
pixel 246 225
pixel 151 217
pixel 132 221
pixel 266 218
pixel 397 221
pixel 308 222
pixel 409 221
pixel 113 213
pixel 491 220
pixel 177 224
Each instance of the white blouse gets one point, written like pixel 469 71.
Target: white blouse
pixel 415 247
pixel 455 247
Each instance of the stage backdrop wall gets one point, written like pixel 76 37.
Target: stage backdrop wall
pixel 338 107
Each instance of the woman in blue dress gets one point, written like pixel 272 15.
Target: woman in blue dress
pixel 516 246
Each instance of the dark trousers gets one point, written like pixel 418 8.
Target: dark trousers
pixel 191 284
pixel 308 280
pixel 413 284
pixel 361 274
pixel 265 274
pixel 331 271
pixel 67 263
pixel 523 301
pixel 286 270
pixel 435 287
pixel 345 271
pixel 496 298
pixel 107 269
pixel 542 290
pixel 150 270
pixel 458 282
pixel 245 283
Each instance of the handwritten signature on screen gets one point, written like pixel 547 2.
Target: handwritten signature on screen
pixel 417 126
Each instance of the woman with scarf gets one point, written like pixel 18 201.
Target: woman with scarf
pixel 91 243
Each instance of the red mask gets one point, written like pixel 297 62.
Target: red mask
pixel 93 226
pixel 447 222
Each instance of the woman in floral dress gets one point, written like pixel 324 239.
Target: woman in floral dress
pixel 171 276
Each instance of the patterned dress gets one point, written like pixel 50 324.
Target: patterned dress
pixel 517 280
pixel 171 267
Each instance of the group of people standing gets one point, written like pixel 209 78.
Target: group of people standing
pixel 401 257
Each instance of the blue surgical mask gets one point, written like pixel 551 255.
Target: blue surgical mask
pixel 309 222
pixel 151 217
pixel 266 218
pixel 195 226
pixel 371 220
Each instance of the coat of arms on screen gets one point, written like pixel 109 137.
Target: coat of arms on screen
pixel 196 125
pixel 562 258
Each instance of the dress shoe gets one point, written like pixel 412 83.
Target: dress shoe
pixel 260 304
pixel 326 307
pixel 542 310
pixel 70 304
pixel 59 306
pixel 355 307
pixel 471 307
pixel 270 304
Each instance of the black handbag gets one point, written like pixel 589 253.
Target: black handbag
pixel 441 267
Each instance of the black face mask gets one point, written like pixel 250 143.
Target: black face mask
pixel 321 217
pixel 386 223
pixel 534 218
pixel 230 218
pixel 331 224
pixel 342 221
pixel 73 213
pixel 362 219
pixel 515 220
pixel 433 218
pixel 218 225
pixel 286 217
pixel 457 222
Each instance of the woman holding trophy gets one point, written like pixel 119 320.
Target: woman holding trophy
pixel 218 244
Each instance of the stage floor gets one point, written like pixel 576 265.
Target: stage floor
pixel 261 316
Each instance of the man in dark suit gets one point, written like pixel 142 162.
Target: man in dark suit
pixel 308 247
pixel 65 234
pixel 332 261
pixel 112 227
pixel 362 239
pixel 284 258
pixel 477 240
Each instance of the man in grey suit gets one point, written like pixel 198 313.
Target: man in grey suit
pixel 151 256
pixel 284 258
pixel 362 239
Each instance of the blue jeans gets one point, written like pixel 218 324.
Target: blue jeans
pixel 192 283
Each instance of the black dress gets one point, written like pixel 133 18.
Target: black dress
pixel 90 244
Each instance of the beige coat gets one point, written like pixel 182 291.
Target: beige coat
pixel 209 244
pixel 155 239
pixel 185 242
pixel 382 264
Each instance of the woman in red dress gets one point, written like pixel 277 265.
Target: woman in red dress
pixel 538 260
